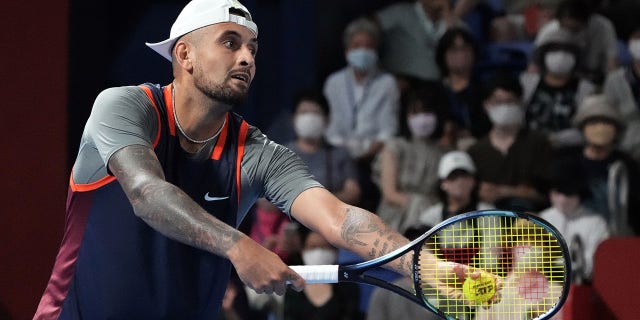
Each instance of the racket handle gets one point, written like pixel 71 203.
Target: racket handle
pixel 317 273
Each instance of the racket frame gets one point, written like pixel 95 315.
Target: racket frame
pixel 356 272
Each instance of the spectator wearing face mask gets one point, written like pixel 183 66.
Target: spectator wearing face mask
pixel 322 301
pixel 552 95
pixel 592 32
pixel 407 167
pixel 622 87
pixel 331 166
pixel 364 102
pixel 610 174
pixel 512 162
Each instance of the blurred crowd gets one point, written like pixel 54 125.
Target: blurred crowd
pixel 445 107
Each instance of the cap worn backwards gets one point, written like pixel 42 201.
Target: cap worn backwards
pixel 201 13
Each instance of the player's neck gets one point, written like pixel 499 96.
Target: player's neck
pixel 199 117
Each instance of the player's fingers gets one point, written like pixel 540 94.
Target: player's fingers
pixel 296 281
pixel 280 288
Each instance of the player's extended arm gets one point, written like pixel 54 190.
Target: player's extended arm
pixel 363 233
pixel 170 211
pixel 349 227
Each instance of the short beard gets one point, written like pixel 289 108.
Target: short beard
pixel 220 92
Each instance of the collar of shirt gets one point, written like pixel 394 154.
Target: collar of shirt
pixel 430 27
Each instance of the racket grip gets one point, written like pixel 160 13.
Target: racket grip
pixel 317 273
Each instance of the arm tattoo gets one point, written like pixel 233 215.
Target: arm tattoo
pixel 363 229
pixel 356 223
pixel 165 207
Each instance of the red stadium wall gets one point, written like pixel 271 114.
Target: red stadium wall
pixel 33 163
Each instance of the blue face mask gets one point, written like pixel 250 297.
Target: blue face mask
pixel 362 59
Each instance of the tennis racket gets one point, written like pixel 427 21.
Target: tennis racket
pixel 488 264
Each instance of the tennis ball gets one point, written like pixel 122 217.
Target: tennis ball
pixel 480 289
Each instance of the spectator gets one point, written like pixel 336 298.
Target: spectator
pixel 622 87
pixel 364 104
pixel 323 300
pixel 512 163
pixel 411 32
pixel 582 228
pixel 406 169
pixel 235 304
pixel 456 55
pixel 522 19
pixel 385 304
pixel 593 33
pixel 331 166
pixel 610 173
pixel 552 96
pixel 457 193
pixel 268 227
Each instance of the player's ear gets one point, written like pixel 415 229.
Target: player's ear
pixel 182 55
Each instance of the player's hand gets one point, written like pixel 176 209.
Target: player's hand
pixel 262 270
pixel 461 272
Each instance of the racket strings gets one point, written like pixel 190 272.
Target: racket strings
pixel 526 256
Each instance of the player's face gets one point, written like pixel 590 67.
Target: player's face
pixel 224 62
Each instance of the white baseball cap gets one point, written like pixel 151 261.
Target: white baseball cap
pixel 455 160
pixel 201 13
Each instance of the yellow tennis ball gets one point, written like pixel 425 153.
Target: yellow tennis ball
pixel 480 289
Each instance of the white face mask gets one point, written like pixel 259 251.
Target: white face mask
pixel 422 124
pixel 559 62
pixel 506 115
pixel 362 59
pixel 319 256
pixel 309 125
pixel 634 48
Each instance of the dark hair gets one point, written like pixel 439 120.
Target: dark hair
pixel 313 96
pixel 432 97
pixel 568 178
pixel 575 9
pixel 446 42
pixel 502 80
pixel 415 231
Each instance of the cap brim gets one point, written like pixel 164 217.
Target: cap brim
pixel 163 47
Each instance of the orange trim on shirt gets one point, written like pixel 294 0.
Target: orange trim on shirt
pixel 242 137
pixel 168 101
pixel 153 102
pixel 84 187
pixel 217 150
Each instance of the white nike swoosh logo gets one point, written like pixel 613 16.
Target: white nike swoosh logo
pixel 209 198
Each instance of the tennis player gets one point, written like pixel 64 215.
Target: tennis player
pixel 164 176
